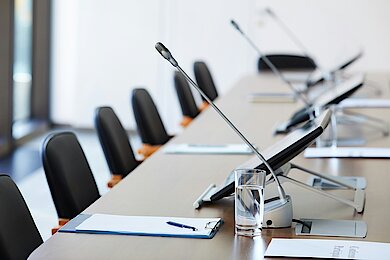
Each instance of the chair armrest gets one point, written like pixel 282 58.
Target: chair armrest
pixel 203 106
pixel 147 150
pixel 61 222
pixel 115 179
pixel 186 121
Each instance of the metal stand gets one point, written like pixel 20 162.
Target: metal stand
pixel 375 87
pixel 333 147
pixel 276 213
pixel 349 117
pixel 359 198
pixel 341 116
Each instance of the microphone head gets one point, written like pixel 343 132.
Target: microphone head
pixel 269 11
pixel 235 25
pixel 165 53
pixel 163 50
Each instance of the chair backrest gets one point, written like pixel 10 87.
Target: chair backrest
pixel 149 123
pixel 115 142
pixel 205 80
pixel 186 99
pixel 18 234
pixel 68 174
pixel 286 62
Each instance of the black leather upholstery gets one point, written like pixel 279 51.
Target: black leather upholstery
pixel 18 234
pixel 68 174
pixel 115 143
pixel 186 99
pixel 149 123
pixel 205 80
pixel 286 61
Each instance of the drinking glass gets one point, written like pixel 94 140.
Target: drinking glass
pixel 249 201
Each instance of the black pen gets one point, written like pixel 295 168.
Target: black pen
pixel 181 225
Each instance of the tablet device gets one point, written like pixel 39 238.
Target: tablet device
pixel 340 92
pixel 280 153
pixel 317 76
pixel 333 96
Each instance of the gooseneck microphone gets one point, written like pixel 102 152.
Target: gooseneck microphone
pixel 299 44
pixel 288 31
pixel 271 65
pixel 168 56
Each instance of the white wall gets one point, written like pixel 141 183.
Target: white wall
pixel 331 29
pixel 102 49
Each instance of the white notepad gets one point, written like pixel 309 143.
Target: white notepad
pixel 332 249
pixel 149 226
pixel 207 149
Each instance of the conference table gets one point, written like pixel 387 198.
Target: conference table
pixel 168 184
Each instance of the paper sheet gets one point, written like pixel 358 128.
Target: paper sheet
pixel 332 249
pixel 146 225
pixel 365 103
pixel 347 152
pixel 207 149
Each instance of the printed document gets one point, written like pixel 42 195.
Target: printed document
pixel 332 249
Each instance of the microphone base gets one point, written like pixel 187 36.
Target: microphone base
pixel 277 215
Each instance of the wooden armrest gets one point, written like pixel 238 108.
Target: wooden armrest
pixel 203 106
pixel 147 150
pixel 115 179
pixel 61 222
pixel 185 121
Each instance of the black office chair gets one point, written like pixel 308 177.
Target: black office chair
pixel 18 234
pixel 186 99
pixel 68 174
pixel 287 62
pixel 149 123
pixel 115 143
pixel 205 82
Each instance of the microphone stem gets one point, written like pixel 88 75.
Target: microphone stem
pixel 292 36
pixel 282 194
pixel 276 71
pixel 297 42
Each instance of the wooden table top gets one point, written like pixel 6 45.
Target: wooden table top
pixel 168 184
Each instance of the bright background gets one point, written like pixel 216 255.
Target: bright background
pixel 103 49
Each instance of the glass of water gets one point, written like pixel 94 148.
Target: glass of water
pixel 249 201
